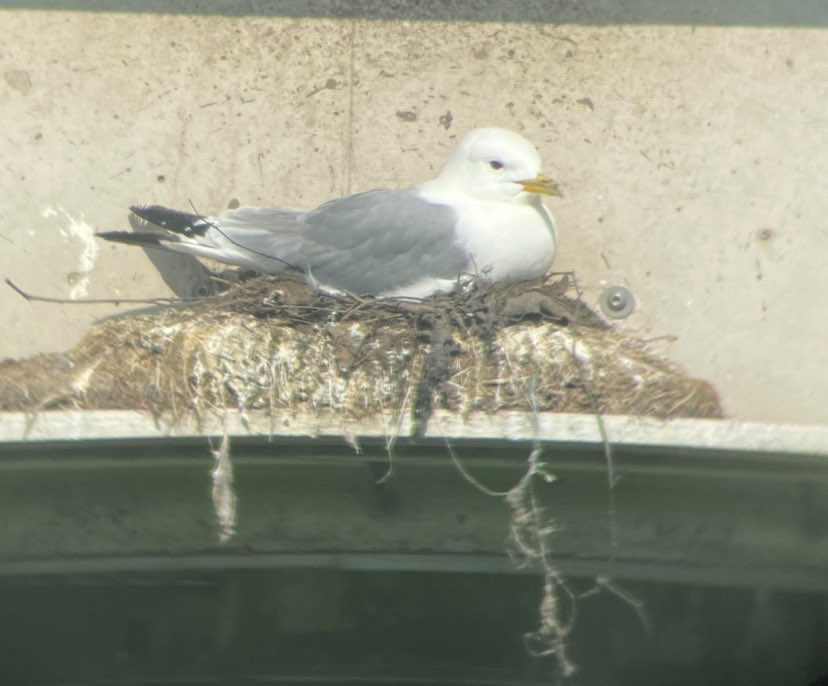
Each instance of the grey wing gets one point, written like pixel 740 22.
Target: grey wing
pixel 380 241
pixel 373 242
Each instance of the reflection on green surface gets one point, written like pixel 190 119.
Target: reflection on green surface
pixel 329 626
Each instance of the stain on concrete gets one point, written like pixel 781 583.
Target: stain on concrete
pixel 19 80
pixel 83 233
pixel 481 52
pixel 406 115
pixel 445 120
pixel 330 84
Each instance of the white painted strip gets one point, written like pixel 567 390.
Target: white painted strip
pixel 715 434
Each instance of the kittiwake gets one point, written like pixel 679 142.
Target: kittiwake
pixel 481 216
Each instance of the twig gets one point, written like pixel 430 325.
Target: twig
pixel 468 476
pixel 606 583
pixel 391 440
pixel 97 301
pixel 612 479
pixel 549 639
pixel 593 401
pixel 223 493
pixel 553 630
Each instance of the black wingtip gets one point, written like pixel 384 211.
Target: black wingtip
pixel 173 220
pixel 144 239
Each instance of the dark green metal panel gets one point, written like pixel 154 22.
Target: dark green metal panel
pixel 111 571
pixel 732 522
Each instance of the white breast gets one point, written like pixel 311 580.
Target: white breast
pixel 506 241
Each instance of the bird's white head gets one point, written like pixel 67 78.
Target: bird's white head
pixel 496 163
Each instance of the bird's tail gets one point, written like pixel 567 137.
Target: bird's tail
pixel 145 239
pixel 177 223
pixel 193 234
pixel 173 220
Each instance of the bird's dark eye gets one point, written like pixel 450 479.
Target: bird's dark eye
pixel 496 164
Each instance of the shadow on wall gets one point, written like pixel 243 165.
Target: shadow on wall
pixel 805 13
pixel 184 274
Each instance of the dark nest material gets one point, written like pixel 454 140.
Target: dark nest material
pixel 275 345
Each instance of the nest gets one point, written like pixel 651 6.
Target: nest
pixel 276 345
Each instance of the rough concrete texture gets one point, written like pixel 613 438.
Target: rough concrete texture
pixel 692 159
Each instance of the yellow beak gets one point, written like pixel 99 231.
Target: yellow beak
pixel 543 185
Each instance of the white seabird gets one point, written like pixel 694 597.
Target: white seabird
pixel 482 215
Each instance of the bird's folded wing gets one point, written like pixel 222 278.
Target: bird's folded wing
pixel 374 242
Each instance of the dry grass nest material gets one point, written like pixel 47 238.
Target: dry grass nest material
pixel 276 345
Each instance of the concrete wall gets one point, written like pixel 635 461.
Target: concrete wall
pixel 691 144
